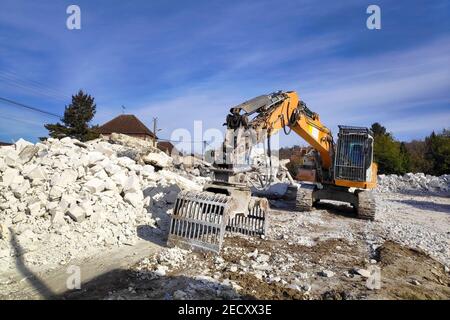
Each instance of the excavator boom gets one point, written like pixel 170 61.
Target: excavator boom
pixel 293 113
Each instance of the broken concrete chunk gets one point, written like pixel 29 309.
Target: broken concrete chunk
pixel 112 169
pixel 134 198
pixel 102 175
pixel 132 184
pixel 87 207
pixel 19 217
pixel 66 140
pixel 95 185
pixel 66 201
pixel 4 232
pixel 182 182
pixel 67 177
pixel 9 176
pixel 19 190
pixel 362 272
pixel 148 169
pixel 57 218
pixel 327 273
pixel 34 208
pixel 56 193
pixel 3 165
pixel 21 144
pixel 27 153
pixel 17 182
pixel 36 173
pixel 159 159
pixel 95 157
pixel 76 213
pixel 126 162
pixel 110 185
pixel 12 159
pixel 104 149
pixel 120 179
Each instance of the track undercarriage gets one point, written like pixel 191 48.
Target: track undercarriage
pixel 362 200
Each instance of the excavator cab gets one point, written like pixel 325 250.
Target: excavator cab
pixel 352 176
pixel 353 163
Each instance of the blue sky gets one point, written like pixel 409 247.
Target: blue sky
pixel 192 60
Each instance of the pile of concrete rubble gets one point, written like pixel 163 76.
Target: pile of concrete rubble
pixel 413 182
pixel 62 198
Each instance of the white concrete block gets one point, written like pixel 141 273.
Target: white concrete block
pixel 9 175
pixel 87 207
pixel 132 184
pixel 21 143
pixel 134 198
pixel 67 177
pixel 95 185
pixel 76 213
pixel 35 173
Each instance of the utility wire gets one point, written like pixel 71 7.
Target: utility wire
pixel 186 141
pixel 30 89
pixel 21 120
pixel 18 104
pixel 17 80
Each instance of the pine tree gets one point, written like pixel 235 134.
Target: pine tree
pixel 438 152
pixel 75 122
pixel 378 129
pixel 406 158
pixel 390 155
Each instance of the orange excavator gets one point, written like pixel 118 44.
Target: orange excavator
pixel 344 171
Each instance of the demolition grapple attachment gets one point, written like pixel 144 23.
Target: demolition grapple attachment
pixel 200 219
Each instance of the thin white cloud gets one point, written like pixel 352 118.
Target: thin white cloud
pixel 354 91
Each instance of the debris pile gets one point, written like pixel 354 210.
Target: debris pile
pixel 194 165
pixel 167 260
pixel 272 183
pixel 413 182
pixel 61 198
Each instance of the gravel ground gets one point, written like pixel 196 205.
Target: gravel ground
pixel 322 254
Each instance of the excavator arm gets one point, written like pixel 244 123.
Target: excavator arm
pixel 290 112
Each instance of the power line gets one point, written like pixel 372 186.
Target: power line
pixel 31 90
pixel 15 103
pixel 21 120
pixel 31 85
pixel 186 141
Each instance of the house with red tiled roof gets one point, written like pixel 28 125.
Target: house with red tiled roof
pixel 127 124
pixel 166 146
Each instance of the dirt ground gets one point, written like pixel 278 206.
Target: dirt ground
pixel 322 254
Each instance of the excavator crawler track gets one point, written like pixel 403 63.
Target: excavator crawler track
pixel 366 208
pixel 304 199
pixel 200 219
